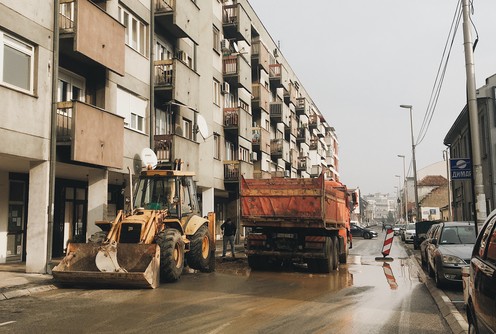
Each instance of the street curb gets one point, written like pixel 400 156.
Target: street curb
pixel 453 317
pixel 26 292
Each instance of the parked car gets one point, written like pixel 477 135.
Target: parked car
pixel 448 250
pixel 481 303
pixel 396 229
pixel 408 233
pixel 426 242
pixel 421 229
pixel 358 231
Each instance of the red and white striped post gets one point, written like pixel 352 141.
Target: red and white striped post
pixel 388 242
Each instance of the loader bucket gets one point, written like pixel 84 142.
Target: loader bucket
pixel 138 266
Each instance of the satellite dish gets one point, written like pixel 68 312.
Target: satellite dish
pixel 148 158
pixel 202 126
pixel 235 46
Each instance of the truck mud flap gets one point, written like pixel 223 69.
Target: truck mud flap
pixel 124 265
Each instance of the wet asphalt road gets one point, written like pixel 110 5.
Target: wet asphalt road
pixel 364 296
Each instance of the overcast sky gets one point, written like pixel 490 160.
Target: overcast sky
pixel 360 59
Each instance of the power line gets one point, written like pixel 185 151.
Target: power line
pixel 438 82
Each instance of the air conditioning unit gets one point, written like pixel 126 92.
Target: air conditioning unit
pixel 225 88
pixel 224 45
pixel 253 156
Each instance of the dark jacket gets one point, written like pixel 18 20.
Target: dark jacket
pixel 229 228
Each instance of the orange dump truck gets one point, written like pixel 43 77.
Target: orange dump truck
pixel 303 220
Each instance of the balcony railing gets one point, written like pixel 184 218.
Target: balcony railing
pixel 164 72
pixel 260 96
pixel 261 138
pixel 275 71
pixel 231 170
pixel 163 147
pixel 231 117
pixel 276 111
pixel 64 121
pixel 230 14
pixel 301 106
pixel 164 6
pixel 66 15
pixel 230 65
pixel 276 147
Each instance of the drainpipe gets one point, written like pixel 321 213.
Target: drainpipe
pixel 53 137
pixel 152 77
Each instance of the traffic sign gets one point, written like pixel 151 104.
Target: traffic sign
pixel 460 169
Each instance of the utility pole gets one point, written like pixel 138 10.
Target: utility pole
pixel 478 185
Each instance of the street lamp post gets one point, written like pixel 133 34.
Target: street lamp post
pixel 405 188
pixel 399 197
pixel 417 211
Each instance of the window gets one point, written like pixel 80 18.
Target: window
pixel 216 146
pixel 163 122
pixel 216 39
pixel 244 154
pixel 70 87
pixel 136 31
pixel 187 129
pixel 16 63
pixel 216 93
pixel 132 108
pixel 243 105
pixel 230 151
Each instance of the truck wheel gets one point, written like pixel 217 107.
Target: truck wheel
pixel 199 255
pixel 343 257
pixel 327 264
pixel 257 262
pixel 335 253
pixel 171 255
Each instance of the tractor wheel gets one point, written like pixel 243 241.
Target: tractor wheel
pixel 199 255
pixel 171 255
pixel 98 237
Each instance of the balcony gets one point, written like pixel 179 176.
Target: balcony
pixel 175 80
pixel 231 118
pixel 89 35
pixel 168 147
pixel 303 135
pixel 236 23
pixel 293 158
pixel 313 121
pixel 292 128
pixel 279 112
pixel 234 169
pixel 95 136
pixel 278 76
pixel 260 55
pixel 261 139
pixel 291 94
pixel 163 147
pixel 301 106
pixel 304 164
pixel 179 18
pixel 236 71
pixel 261 97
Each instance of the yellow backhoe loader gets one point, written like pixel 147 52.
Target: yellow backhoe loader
pixel 151 243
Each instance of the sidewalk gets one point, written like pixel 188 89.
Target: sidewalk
pixel 15 282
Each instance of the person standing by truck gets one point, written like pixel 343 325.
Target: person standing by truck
pixel 229 233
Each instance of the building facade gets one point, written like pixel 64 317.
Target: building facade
pixel 459 143
pixel 95 82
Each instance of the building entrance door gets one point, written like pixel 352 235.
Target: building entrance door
pixel 17 221
pixel 71 207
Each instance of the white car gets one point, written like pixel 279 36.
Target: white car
pixel 409 233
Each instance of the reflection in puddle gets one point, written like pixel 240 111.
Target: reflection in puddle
pixel 388 272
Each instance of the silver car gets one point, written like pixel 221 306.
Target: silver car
pixel 450 249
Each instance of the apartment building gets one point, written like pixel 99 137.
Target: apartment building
pixel 95 82
pixel 459 142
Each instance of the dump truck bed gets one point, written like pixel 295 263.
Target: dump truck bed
pixel 299 202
